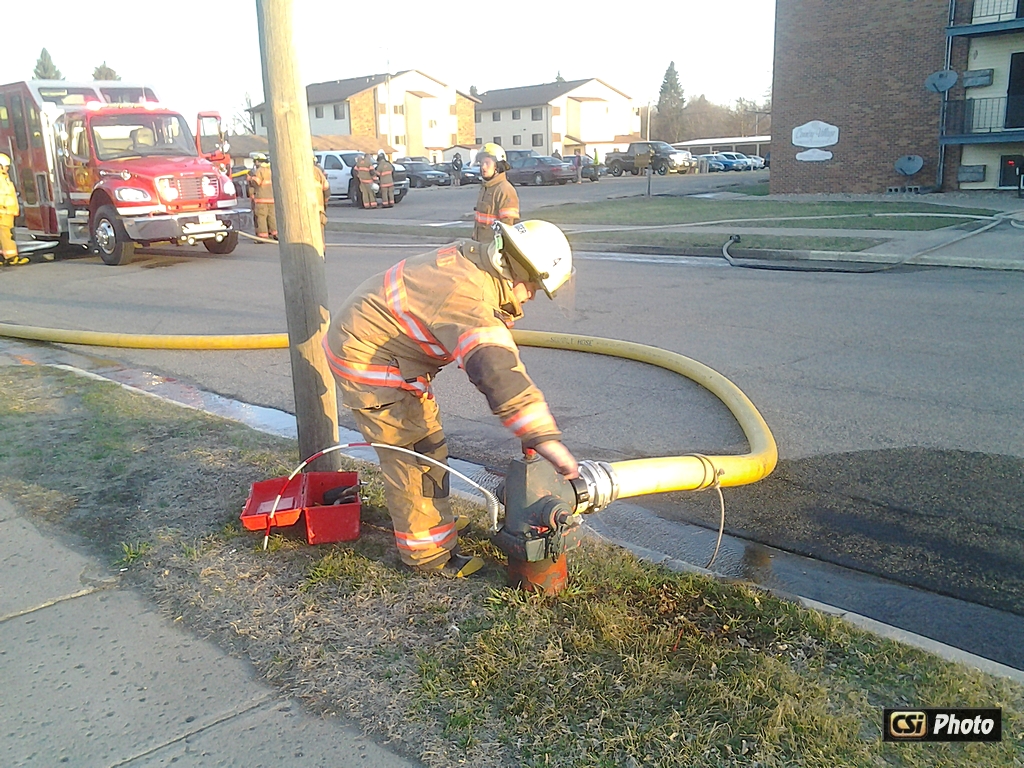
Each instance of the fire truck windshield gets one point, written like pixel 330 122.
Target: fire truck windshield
pixel 141 135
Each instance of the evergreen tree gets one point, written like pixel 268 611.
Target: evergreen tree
pixel 45 68
pixel 103 72
pixel 668 125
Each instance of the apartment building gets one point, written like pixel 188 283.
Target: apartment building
pixel 560 116
pixel 412 112
pixel 851 111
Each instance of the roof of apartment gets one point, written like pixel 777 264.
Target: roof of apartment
pixel 533 95
pixel 243 145
pixel 336 91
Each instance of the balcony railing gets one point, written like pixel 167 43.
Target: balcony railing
pixel 990 11
pixel 983 116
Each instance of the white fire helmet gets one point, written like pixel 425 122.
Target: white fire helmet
pixel 5 161
pixel 539 249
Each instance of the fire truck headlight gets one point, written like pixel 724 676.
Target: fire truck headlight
pixel 228 188
pixel 167 188
pixel 132 195
pixel 209 186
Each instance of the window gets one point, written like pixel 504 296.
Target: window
pixel 399 109
pixel 515 114
pixel 455 139
pixel 319 112
pixel 476 117
pixel 382 109
pixel 432 124
pixel 556 137
pixel 517 140
pixel 339 111
pixel 496 116
pixel 78 141
pixel 477 141
pixel 35 126
pixel 332 163
pixel 4 122
pixel 261 121
pixel 399 139
pixel 497 140
pixel 18 118
pixel 452 110
pixel 556 111
pixel 538 139
pixel 537 113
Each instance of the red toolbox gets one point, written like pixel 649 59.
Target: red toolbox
pixel 304 496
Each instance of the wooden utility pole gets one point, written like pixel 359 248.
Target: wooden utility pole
pixel 300 239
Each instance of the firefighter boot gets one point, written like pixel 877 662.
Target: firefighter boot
pixel 458 566
pixel 15 261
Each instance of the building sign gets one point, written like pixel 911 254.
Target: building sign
pixel 814 155
pixel 815 134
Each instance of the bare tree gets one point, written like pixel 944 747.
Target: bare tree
pixel 244 119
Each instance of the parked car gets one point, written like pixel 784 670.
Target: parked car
pixel 416 159
pixel 664 158
pixel 337 167
pixel 714 165
pixel 757 160
pixel 734 161
pixel 540 170
pixel 469 175
pixel 768 159
pixel 425 175
pixel 513 154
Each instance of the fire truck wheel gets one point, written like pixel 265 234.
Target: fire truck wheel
pixel 225 246
pixel 110 239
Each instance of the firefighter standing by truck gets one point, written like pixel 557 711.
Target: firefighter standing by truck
pixel 395 333
pixel 498 200
pixel 8 211
pixel 385 173
pixel 261 183
pixel 364 172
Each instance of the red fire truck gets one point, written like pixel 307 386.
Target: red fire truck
pixel 113 170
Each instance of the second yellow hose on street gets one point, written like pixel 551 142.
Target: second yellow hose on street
pixel 635 477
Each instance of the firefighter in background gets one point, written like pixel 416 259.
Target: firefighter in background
pixel 386 175
pixel 261 183
pixel 364 172
pixel 323 197
pixel 8 211
pixel 398 329
pixel 498 200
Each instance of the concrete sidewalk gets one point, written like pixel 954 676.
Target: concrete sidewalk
pixel 94 676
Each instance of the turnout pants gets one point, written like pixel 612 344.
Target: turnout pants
pixel 366 191
pixel 387 193
pixel 265 219
pixel 416 492
pixel 10 250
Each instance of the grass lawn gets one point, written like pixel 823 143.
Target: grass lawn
pixel 632 665
pixel 641 211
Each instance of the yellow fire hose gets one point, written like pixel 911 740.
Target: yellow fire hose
pixel 635 477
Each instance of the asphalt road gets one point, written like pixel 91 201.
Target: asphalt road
pixel 895 397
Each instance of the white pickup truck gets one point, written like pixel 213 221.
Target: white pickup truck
pixel 337 166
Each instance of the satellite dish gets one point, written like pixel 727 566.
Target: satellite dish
pixel 908 165
pixel 941 81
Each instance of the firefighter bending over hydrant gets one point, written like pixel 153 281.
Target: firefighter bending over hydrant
pixel 395 333
pixel 8 211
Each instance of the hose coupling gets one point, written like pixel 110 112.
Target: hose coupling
pixel 602 487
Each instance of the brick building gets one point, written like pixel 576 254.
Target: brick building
pixel 861 67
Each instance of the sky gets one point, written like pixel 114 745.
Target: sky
pixel 721 48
